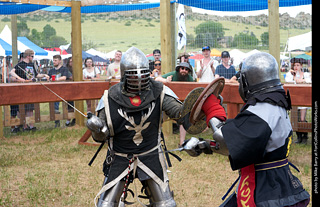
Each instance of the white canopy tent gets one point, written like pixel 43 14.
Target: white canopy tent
pixel 22 42
pixel 300 42
pixel 251 52
pixel 111 54
pixel 98 53
pixel 237 55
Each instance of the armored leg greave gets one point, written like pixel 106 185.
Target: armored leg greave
pixel 111 197
pixel 158 198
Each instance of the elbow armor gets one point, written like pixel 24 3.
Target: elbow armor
pixel 221 147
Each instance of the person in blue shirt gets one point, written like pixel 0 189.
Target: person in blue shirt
pixel 225 70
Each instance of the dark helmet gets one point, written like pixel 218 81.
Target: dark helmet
pixel 259 74
pixel 134 68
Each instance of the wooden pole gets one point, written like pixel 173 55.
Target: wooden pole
pixel 165 35
pixel 166 49
pixel 14 36
pixel 274 30
pixel 76 43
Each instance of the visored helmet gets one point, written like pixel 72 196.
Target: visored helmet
pixel 259 74
pixel 134 67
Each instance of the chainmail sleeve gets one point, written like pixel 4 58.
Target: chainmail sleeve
pixel 171 106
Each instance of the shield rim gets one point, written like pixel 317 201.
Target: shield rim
pixel 215 88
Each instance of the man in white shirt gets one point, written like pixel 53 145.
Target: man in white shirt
pixel 206 70
pixel 114 68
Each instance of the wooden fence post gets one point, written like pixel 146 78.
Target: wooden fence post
pixel 76 43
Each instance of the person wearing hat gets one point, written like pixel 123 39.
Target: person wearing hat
pixel 297 75
pixel 206 69
pixel 225 70
pixel 184 57
pixel 181 73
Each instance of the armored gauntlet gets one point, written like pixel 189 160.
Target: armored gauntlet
pixel 98 128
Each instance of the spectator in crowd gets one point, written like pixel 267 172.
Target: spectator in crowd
pixel 297 75
pixel 90 72
pixel 184 57
pixel 157 69
pixel 58 73
pixel 205 69
pixel 157 56
pixel 182 73
pixel 25 72
pixel 225 69
pixel 114 68
pixel 70 123
pixel 15 108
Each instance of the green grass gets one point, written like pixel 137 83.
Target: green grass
pixel 49 168
pixel 144 34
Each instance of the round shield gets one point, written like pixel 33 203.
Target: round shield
pixel 215 88
pixel 185 114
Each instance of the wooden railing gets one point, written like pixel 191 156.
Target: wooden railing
pixel 20 93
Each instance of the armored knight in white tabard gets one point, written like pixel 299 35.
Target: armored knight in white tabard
pixel 129 117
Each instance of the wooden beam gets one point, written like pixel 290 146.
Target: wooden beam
pixel 19 93
pixel 67 3
pixel 76 43
pixel 165 36
pixel 274 30
pixel 14 36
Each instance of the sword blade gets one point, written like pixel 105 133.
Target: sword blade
pixel 55 94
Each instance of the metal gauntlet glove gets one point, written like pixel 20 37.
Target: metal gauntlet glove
pixel 99 130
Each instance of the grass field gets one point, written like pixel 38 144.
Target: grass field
pixel 144 34
pixel 49 168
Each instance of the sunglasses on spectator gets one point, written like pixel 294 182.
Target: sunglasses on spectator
pixel 157 64
pixel 184 68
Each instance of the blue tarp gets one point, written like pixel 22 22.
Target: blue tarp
pixel 239 5
pixel 106 8
pixel 217 5
pixel 12 8
pixel 37 50
pixel 7 48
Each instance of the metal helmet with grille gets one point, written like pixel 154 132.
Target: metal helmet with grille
pixel 134 68
pixel 259 74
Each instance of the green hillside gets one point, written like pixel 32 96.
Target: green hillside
pixel 107 35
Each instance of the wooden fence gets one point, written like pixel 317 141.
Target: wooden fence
pixel 21 93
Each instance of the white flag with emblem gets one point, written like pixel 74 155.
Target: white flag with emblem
pixel 182 33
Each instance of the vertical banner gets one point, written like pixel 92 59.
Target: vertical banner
pixel 182 33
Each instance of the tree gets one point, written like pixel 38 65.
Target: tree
pixel 23 29
pixel 35 37
pixel 208 33
pixel 244 40
pixel 265 38
pixel 48 31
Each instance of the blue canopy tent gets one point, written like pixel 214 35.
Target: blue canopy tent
pixel 37 50
pixel 96 58
pixel 5 48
